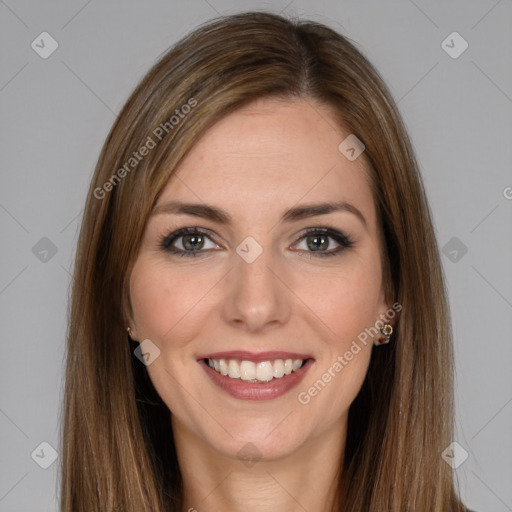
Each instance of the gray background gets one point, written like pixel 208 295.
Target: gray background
pixel 56 113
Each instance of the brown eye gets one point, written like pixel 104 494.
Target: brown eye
pixel 186 242
pixel 192 242
pixel 318 240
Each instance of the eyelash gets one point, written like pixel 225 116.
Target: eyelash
pixel 344 241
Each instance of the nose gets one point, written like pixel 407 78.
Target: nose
pixel 256 296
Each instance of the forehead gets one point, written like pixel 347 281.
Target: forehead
pixel 269 155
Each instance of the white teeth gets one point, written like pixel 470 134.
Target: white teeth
pixel 223 367
pixel 233 369
pixel 278 368
pixel 263 371
pixel 297 363
pixel 247 370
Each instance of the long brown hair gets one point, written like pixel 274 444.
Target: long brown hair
pixel 117 446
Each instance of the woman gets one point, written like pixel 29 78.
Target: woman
pixel 258 226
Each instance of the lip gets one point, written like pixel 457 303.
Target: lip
pixel 244 390
pixel 244 355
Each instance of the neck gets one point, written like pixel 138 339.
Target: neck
pixel 306 479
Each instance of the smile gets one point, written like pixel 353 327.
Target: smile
pixel 263 371
pixel 263 376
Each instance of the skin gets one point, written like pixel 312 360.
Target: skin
pixel 255 164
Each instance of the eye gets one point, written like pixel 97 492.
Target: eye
pixel 186 241
pixel 318 240
pixel 190 242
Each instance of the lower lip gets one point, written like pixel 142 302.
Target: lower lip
pixel 244 390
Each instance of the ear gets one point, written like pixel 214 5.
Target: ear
pixel 132 333
pixel 388 305
pixel 388 312
pixel 129 321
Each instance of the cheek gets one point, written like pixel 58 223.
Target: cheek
pixel 353 309
pixel 349 307
pixel 348 301
pixel 159 299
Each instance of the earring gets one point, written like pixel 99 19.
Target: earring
pixel 129 332
pixel 387 331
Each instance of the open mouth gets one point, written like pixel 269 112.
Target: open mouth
pixel 255 372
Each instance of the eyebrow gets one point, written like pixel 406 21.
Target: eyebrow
pixel 222 217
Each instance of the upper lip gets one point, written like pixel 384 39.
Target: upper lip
pixel 244 355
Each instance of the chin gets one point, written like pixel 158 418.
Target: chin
pixel 259 441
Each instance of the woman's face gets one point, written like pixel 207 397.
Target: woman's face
pixel 251 281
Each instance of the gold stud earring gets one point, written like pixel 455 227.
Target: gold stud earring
pixel 387 331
